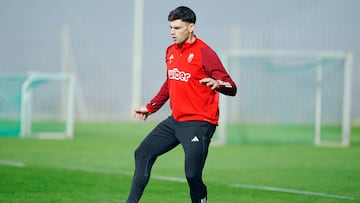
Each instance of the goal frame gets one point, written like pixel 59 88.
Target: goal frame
pixel 225 56
pixel 26 105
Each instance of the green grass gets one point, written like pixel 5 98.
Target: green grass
pixel 275 134
pixel 96 166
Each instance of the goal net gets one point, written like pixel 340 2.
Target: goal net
pixel 37 105
pixel 287 97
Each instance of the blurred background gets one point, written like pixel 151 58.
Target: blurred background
pixel 99 37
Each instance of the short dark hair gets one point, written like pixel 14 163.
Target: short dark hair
pixel 182 13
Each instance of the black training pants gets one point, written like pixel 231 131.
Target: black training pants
pixel 194 136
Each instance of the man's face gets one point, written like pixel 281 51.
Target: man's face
pixel 181 31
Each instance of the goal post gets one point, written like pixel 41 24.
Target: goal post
pixel 287 97
pixel 37 105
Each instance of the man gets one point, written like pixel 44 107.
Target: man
pixel 195 76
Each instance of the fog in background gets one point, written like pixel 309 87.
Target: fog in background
pixel 101 36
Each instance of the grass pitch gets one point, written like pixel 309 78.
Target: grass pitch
pixel 96 166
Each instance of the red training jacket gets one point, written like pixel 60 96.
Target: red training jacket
pixel 189 99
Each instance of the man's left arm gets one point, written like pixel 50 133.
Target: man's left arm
pixel 219 78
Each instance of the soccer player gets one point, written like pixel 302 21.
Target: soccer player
pixel 195 76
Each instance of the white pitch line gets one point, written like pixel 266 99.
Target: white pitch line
pixel 267 188
pixel 285 190
pixel 92 170
pixel 183 180
pixel 173 179
pixel 11 163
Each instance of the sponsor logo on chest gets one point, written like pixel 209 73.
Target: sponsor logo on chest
pixel 175 74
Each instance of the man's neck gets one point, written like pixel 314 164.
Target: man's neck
pixel 190 40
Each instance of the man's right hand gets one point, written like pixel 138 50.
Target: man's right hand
pixel 141 112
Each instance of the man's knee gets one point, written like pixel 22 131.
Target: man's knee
pixel 140 155
pixel 192 176
pixel 137 153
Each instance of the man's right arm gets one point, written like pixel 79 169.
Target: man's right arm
pixel 160 99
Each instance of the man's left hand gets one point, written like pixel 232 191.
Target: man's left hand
pixel 213 84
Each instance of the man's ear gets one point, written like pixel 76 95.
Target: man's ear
pixel 191 27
